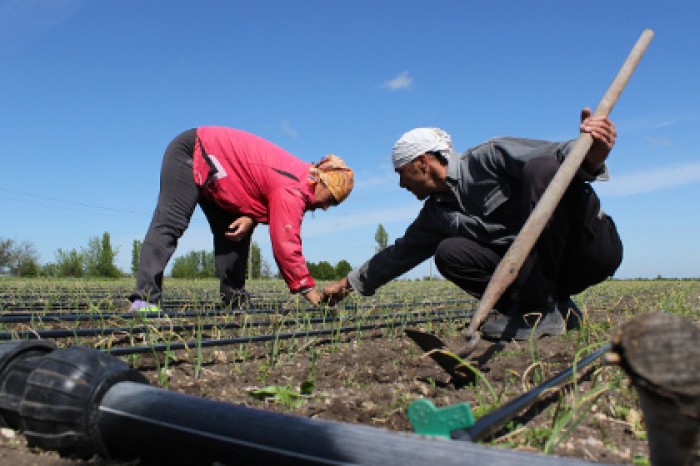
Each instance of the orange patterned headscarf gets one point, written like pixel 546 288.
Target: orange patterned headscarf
pixel 333 173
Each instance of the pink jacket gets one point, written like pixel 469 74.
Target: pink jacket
pixel 243 173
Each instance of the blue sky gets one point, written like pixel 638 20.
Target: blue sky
pixel 93 91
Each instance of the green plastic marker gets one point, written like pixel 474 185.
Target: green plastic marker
pixel 428 420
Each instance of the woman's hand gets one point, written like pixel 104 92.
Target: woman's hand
pixel 240 228
pixel 313 296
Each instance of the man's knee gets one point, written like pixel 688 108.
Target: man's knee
pixel 463 257
pixel 445 257
pixel 466 263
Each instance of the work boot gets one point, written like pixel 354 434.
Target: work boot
pixel 236 299
pixel 570 312
pixel 522 326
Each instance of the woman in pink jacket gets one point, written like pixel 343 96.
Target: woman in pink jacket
pixel 239 180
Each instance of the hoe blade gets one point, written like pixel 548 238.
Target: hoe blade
pixel 440 353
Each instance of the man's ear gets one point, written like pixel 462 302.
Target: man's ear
pixel 427 162
pixel 423 162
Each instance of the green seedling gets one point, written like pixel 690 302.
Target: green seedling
pixel 284 396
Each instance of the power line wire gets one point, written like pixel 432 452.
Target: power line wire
pixel 63 202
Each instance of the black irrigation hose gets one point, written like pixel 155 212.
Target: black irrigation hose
pixel 96 294
pixel 494 420
pixel 264 338
pixel 83 317
pixel 15 318
pixel 53 305
pixel 88 316
pixel 25 317
pixel 354 306
pixel 27 314
pixel 91 332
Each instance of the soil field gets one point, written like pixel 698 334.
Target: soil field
pixel 370 377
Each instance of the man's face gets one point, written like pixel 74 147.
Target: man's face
pixel 413 176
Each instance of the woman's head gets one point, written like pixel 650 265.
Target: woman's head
pixel 335 176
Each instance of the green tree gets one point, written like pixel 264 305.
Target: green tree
pixel 186 266
pixel 6 248
pixel 20 260
pixel 313 269
pixel 49 270
pixel 265 269
pixel 381 237
pixel 70 263
pixel 255 270
pixel 325 271
pixel 99 258
pixel 107 257
pixel 135 256
pixel 25 261
pixel 91 256
pixel 194 264
pixel 207 264
pixel 28 268
pixel 342 268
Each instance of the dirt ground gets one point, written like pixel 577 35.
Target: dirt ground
pixel 371 379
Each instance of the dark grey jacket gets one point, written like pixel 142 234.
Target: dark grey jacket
pixel 482 180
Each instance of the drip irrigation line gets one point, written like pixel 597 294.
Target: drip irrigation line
pixel 49 307
pixel 355 306
pixel 53 306
pixel 264 338
pixel 88 316
pixel 91 332
pixel 14 293
pixel 494 420
pixel 82 317
pixel 16 318
pixel 36 306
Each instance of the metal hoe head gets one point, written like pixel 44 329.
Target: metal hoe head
pixel 473 338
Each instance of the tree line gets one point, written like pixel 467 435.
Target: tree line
pixel 96 260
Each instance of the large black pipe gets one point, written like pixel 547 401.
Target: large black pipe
pixel 51 394
pixel 17 360
pixel 172 428
pixel 81 402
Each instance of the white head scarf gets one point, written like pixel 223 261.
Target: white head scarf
pixel 419 141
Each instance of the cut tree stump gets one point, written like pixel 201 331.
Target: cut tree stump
pixel 661 354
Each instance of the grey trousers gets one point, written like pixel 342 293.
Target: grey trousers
pixel 578 248
pixel 178 197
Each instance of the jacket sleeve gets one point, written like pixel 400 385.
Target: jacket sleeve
pixel 508 155
pixel 286 211
pixel 417 244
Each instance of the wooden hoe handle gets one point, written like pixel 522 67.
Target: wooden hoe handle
pixel 510 264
